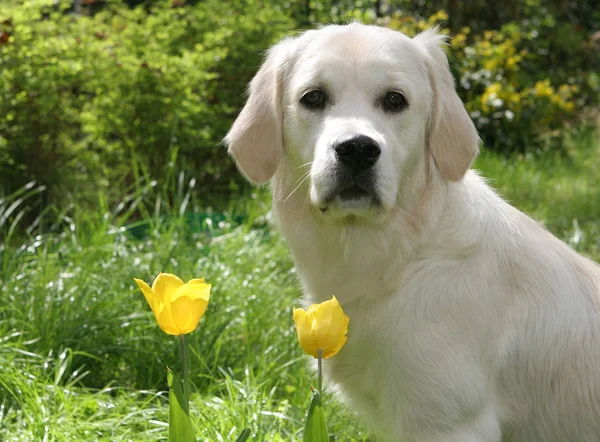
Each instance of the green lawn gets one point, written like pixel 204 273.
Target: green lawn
pixel 81 357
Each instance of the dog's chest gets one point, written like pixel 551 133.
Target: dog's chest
pixel 402 372
pixel 362 368
pixel 366 344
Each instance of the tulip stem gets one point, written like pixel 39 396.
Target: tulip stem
pixel 186 384
pixel 320 376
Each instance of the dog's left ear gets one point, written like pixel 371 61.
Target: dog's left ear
pixel 255 140
pixel 451 135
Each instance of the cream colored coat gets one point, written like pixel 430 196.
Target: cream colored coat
pixel 469 321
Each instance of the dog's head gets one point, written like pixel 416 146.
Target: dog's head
pixel 357 108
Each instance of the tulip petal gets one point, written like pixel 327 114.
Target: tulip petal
pixel 186 313
pixel 338 328
pixel 306 337
pixel 194 291
pixel 196 281
pixel 165 284
pixel 165 321
pixel 321 323
pixel 311 309
pixel 335 348
pixel 149 294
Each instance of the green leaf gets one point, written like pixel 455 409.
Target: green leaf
pixel 244 435
pixel 315 429
pixel 180 425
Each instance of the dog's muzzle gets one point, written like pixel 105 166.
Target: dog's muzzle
pixel 354 177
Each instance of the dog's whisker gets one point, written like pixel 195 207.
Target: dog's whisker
pixel 305 205
pixel 304 178
pixel 304 165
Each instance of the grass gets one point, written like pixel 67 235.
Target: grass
pixel 81 357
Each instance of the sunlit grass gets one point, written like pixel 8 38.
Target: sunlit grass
pixel 81 357
pixel 72 294
pixel 560 190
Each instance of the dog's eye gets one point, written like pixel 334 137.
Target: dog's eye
pixel 394 102
pixel 313 99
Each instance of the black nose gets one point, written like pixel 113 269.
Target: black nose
pixel 359 152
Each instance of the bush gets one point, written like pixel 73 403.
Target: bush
pixel 525 81
pixel 84 97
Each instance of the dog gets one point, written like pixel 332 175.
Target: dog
pixel 469 322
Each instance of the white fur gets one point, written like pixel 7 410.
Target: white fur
pixel 468 321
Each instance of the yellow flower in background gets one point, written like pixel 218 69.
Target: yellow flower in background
pixel 543 88
pixel 515 98
pixel 439 16
pixel 177 306
pixel 459 40
pixel 322 327
pixel 511 62
pixel 565 90
pixel 490 65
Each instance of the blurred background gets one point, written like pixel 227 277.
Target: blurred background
pixel 111 117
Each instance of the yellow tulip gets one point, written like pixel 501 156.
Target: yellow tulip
pixel 177 306
pixel 322 327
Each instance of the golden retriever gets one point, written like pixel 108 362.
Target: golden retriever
pixel 469 321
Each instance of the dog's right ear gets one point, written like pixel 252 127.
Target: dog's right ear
pixel 255 140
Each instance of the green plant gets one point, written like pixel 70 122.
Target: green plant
pixel 83 97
